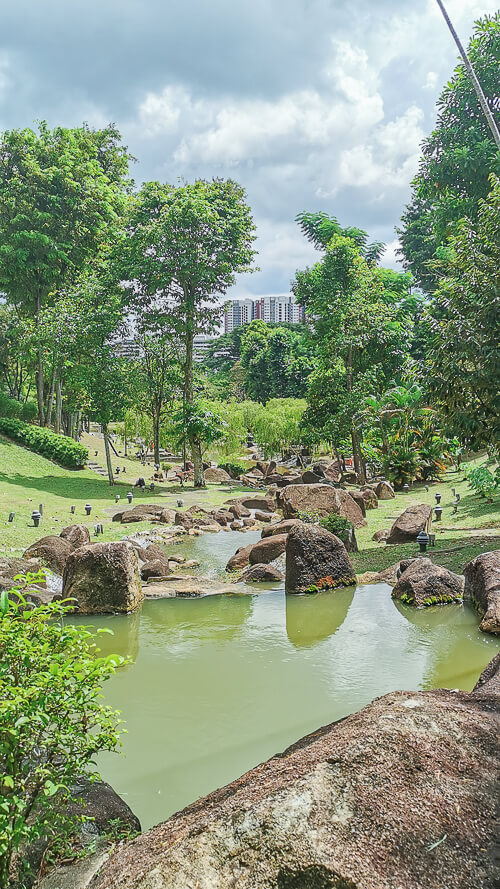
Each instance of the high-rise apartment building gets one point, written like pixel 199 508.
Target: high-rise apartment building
pixel 272 309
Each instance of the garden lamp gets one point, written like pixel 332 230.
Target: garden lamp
pixel 88 508
pixel 438 511
pixel 130 496
pixel 35 515
pixel 423 540
pixel 438 498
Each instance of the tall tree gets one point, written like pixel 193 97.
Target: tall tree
pixel 158 382
pixel 457 159
pixel 277 360
pixel 183 250
pixel 62 194
pixel 319 228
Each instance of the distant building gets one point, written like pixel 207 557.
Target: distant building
pixel 271 309
pixel 201 344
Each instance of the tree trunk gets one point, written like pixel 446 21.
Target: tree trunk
pixel 156 438
pixel 75 432
pixel 50 400
pixel 109 467
pixel 58 417
pixel 199 480
pixel 356 443
pixel 39 367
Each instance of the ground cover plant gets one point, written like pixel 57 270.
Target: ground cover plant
pixel 56 447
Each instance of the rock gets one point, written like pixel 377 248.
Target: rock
pixel 255 473
pixel 358 498
pixel 333 471
pixel 239 511
pixel 368 577
pixel 264 503
pixel 319 469
pixel 316 558
pixel 271 468
pixel 140 550
pixel 52 551
pixel 236 525
pixel 489 680
pixel 76 535
pixel 320 500
pixel 370 498
pixel 176 557
pixel 482 587
pixel 167 516
pixel 423 583
pixel 184 520
pixel 145 509
pixel 263 516
pixel 240 558
pixel 311 478
pixel 260 573
pixel 391 574
pixel 267 549
pixel 283 527
pixel 132 518
pixel 384 491
pixel 381 535
pixel 11 567
pixel 216 476
pixel 155 568
pixel 410 523
pixel 103 578
pixel 358 804
pixel 248 522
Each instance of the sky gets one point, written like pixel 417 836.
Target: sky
pixel 309 104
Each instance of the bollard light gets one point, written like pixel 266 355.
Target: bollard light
pixel 455 508
pixel 35 515
pixel 117 497
pixel 88 508
pixel 432 539
pixel 152 486
pixel 438 512
pixel 117 470
pixel 438 498
pixel 11 516
pixel 40 509
pixel 96 530
pixel 72 510
pixel 457 498
pixel 101 528
pixel 130 496
pixel 423 541
pixel 180 504
pixel 406 489
pixel 426 488
pixel 96 453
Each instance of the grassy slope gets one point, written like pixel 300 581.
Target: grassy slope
pixel 26 480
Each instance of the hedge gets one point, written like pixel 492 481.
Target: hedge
pixel 42 441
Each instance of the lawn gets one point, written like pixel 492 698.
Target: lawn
pixel 27 480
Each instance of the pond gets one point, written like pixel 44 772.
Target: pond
pixel 220 683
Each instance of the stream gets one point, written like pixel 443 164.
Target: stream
pixel 221 683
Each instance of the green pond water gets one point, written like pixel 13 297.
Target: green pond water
pixel 221 683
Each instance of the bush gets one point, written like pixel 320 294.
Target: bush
pixel 166 466
pixel 483 481
pixel 234 466
pixel 42 441
pixel 9 407
pixel 52 722
pixel 338 525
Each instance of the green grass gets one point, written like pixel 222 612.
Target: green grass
pixel 459 538
pixel 27 479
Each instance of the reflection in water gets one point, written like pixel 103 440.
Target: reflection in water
pixel 313 618
pixel 222 683
pixel 124 636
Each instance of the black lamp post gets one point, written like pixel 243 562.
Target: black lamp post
pixel 117 497
pixel 438 498
pixel 406 489
pixel 88 508
pixel 130 496
pixel 11 516
pixel 438 512
pixel 423 541
pixel 35 515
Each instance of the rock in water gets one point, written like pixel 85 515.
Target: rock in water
pixel 320 500
pixel 409 524
pixel 423 583
pixel 482 587
pixel 316 558
pixel 104 578
pixel 401 795
pixel 280 527
pixel 259 573
pixel 267 549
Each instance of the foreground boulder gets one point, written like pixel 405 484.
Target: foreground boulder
pixel 482 588
pixel 52 551
pixel 320 500
pixel 409 524
pixel 316 559
pixel 423 583
pixel 76 535
pixel 266 504
pixel 401 795
pixel 104 578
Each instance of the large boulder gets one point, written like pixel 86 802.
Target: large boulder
pixel 283 527
pixel 423 583
pixel 240 558
pixel 316 558
pixel 167 516
pixel 482 588
pixel 358 498
pixel 311 478
pixel 76 535
pixel 384 491
pixel 267 549
pixel 370 498
pixel 104 578
pixel 320 500
pixel 155 568
pixel 97 802
pixel 261 573
pixel 239 511
pixel 409 524
pixel 52 551
pixel 216 476
pixel 400 795
pixel 143 510
pixel 266 503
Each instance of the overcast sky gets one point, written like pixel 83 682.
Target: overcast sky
pixel 310 104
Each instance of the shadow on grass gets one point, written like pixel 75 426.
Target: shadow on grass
pixel 450 553
pixel 74 487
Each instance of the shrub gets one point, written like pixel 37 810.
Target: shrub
pixel 9 407
pixel 483 481
pixel 166 466
pixel 42 441
pixel 234 466
pixel 52 722
pixel 337 525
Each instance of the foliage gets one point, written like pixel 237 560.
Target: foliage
pixel 11 407
pixel 483 481
pixel 233 466
pixel 276 427
pixel 457 159
pixel 338 525
pixel 277 360
pixel 197 422
pixel 462 366
pixel 42 441
pixel 319 229
pixel 52 720
pixel 183 249
pixel 16 354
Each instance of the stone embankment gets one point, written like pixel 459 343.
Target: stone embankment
pixel 402 794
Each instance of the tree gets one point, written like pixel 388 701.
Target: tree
pixel 52 722
pixel 277 360
pixel 462 366
pixel 362 334
pixel 63 193
pixel 16 359
pixel 183 249
pixel 457 159
pixel 158 381
pixel 319 228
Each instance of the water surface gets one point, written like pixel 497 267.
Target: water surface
pixel 221 683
